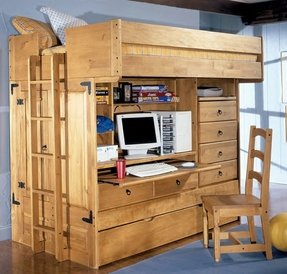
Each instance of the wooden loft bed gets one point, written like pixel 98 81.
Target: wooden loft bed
pixel 107 222
pixel 119 48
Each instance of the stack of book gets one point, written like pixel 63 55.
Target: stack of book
pixel 102 95
pixel 151 94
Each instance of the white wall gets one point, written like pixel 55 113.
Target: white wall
pixel 261 104
pixel 90 10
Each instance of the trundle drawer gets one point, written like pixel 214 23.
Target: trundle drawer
pixel 228 171
pixel 218 131
pixel 217 152
pixel 175 184
pixel 127 240
pixel 217 111
pixel 111 196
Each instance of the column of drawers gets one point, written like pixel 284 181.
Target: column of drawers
pixel 217 132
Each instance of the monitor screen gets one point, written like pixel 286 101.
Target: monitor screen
pixel 138 132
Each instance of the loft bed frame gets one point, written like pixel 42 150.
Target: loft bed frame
pixel 104 54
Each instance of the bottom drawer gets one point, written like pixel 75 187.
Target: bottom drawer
pixel 124 241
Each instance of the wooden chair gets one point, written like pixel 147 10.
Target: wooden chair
pixel 237 205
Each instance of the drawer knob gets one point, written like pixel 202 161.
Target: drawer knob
pixel 219 112
pixel 220 133
pixel 178 182
pixel 220 173
pixel 220 153
pixel 128 192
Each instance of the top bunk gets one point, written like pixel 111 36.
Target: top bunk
pixel 119 48
pixel 125 49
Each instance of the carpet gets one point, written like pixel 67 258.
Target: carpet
pixel 193 258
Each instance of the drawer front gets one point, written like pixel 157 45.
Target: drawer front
pixel 175 184
pixel 147 209
pixel 219 131
pixel 228 171
pixel 217 111
pixel 127 240
pixel 217 152
pixel 113 196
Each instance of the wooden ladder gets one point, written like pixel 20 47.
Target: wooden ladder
pixel 44 155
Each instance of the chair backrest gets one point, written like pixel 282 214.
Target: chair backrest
pixel 258 162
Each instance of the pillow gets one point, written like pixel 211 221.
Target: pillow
pixel 24 25
pixel 61 21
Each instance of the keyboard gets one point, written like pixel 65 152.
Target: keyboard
pixel 144 170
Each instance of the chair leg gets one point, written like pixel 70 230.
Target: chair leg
pixel 205 228
pixel 266 235
pixel 251 228
pixel 216 237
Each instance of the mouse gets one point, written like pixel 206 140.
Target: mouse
pixel 188 164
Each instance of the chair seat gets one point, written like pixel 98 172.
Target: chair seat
pixel 230 201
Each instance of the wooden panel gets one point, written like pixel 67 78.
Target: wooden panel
pixel 20 48
pixel 94 50
pixel 228 171
pixel 188 38
pixel 113 196
pixel 217 111
pixel 217 152
pixel 18 161
pixel 176 184
pixel 217 131
pixel 131 239
pixel 186 67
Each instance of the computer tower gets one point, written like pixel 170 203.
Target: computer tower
pixel 175 131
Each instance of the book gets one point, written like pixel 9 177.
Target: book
pixel 160 87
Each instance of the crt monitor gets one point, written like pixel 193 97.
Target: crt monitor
pixel 138 132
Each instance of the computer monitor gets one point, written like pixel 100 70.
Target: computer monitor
pixel 138 132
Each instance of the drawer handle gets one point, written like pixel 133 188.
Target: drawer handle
pixel 220 133
pixel 220 153
pixel 178 182
pixel 128 192
pixel 220 173
pixel 219 112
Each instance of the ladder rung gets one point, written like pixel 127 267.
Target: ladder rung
pixel 40 82
pixel 63 119
pixel 43 155
pixel 44 228
pixel 43 191
pixel 48 118
pixel 63 157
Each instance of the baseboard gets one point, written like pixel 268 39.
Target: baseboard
pixel 5 233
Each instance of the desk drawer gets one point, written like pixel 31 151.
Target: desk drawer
pixel 218 131
pixel 217 111
pixel 228 171
pixel 217 152
pixel 114 196
pixel 175 184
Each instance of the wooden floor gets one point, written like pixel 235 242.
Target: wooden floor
pixel 18 259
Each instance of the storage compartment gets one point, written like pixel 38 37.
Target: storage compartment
pixel 124 241
pixel 114 196
pixel 217 111
pixel 175 184
pixel 217 131
pixel 217 152
pixel 228 171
